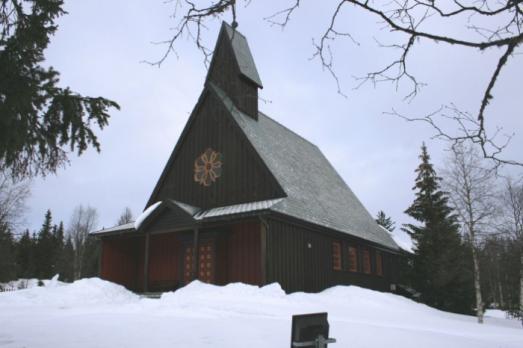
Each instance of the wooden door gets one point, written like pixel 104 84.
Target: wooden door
pixel 188 264
pixel 206 264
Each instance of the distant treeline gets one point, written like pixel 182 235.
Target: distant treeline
pixel 49 251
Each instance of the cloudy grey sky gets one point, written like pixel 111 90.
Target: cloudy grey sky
pixel 99 48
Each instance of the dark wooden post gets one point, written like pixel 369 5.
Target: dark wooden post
pixel 146 264
pixel 195 254
pixel 100 257
pixel 263 254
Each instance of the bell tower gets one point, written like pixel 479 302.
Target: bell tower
pixel 233 70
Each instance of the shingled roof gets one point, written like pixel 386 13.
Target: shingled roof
pixel 315 191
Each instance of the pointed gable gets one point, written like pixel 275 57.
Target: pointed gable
pixel 242 176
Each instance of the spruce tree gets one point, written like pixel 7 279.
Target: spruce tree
pixel 25 256
pixel 58 246
pixel 91 258
pixel 66 263
pixel 439 272
pixel 385 221
pixel 42 122
pixel 45 249
pixel 7 254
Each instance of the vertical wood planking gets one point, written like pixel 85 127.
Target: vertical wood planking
pixel 164 262
pixel 297 267
pixel 244 177
pixel 244 252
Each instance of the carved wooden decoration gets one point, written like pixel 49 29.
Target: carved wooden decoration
pixel 208 167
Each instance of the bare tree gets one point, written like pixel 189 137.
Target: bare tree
pixel 472 193
pixel 479 25
pixel 83 221
pixel 126 217
pixel 513 224
pixel 13 195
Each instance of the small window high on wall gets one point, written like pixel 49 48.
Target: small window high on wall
pixel 336 256
pixel 353 259
pixel 366 261
pixel 379 264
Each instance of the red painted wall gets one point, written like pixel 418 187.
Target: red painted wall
pixel 164 262
pixel 238 259
pixel 120 261
pixel 244 254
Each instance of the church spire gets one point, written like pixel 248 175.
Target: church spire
pixel 233 70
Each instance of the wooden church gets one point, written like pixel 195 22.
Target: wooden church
pixel 244 199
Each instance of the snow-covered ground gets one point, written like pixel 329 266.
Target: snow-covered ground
pixel 28 283
pixel 96 313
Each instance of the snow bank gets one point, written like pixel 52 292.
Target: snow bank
pixel 23 283
pixel 91 291
pixel 96 313
pixel 498 314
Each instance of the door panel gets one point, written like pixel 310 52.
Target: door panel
pixel 206 264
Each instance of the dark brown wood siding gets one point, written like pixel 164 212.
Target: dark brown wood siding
pixel 301 259
pixel 244 254
pixel 121 262
pixel 244 177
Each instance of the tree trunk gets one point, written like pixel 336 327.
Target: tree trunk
pixel 477 286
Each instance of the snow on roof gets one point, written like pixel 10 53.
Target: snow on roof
pixel 237 209
pixel 128 226
pixel 196 213
pixel 146 214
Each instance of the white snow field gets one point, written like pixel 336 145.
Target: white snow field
pixel 97 313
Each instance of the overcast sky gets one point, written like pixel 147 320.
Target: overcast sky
pixel 99 49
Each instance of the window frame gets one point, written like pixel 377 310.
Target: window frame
pixel 379 264
pixel 350 256
pixel 366 261
pixel 336 256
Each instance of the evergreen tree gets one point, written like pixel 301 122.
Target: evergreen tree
pixel 66 261
pixel 385 221
pixel 440 270
pixel 7 255
pixel 91 258
pixel 25 256
pixel 45 249
pixel 58 246
pixel 40 119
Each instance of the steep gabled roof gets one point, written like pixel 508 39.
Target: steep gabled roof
pixel 241 53
pixel 315 191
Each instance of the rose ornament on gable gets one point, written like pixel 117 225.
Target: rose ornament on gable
pixel 208 167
